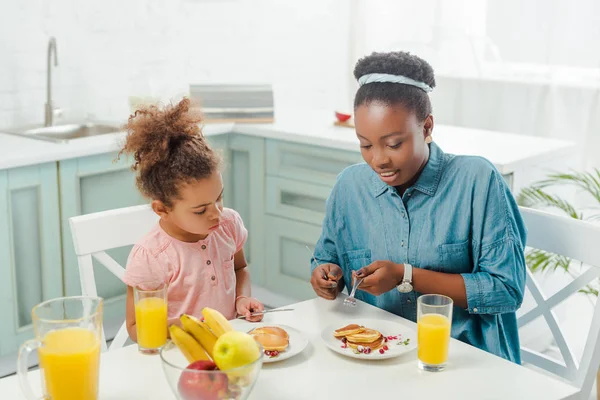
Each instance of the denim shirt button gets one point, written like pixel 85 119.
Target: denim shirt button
pixel 475 309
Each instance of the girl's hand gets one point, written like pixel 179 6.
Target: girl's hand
pixel 380 277
pixel 247 305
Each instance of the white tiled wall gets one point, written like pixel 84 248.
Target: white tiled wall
pixel 110 49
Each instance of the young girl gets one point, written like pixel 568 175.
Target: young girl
pixel 197 245
pixel 414 220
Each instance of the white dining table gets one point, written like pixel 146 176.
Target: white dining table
pixel 320 373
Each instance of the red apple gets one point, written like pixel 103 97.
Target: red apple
pixel 342 117
pixel 202 386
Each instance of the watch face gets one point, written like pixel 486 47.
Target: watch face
pixel 405 287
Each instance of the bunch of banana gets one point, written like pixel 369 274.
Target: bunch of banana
pixel 197 338
pixel 216 321
pixel 191 349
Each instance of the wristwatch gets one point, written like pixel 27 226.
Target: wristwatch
pixel 406 285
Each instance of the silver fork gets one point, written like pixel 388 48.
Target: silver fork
pixel 351 300
pixel 316 261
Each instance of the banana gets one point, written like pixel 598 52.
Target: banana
pixel 200 331
pixel 217 323
pixel 191 349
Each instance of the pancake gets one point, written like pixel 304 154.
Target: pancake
pixel 271 337
pixel 348 330
pixel 271 330
pixel 271 342
pixel 365 336
pixel 372 345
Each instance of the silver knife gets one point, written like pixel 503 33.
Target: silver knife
pixel 265 312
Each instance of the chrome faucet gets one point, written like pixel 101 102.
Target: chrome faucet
pixel 49 108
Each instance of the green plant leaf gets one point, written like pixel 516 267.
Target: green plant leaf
pixel 588 181
pixel 589 290
pixel 539 260
pixel 534 196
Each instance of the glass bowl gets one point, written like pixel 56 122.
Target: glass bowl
pixel 195 384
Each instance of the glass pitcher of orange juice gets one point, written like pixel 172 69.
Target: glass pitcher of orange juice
pixel 434 320
pixel 151 317
pixel 68 333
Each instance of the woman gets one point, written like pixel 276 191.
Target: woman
pixel 441 223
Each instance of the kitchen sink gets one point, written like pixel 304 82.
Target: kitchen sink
pixel 65 133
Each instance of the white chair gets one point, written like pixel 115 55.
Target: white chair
pixel 95 233
pixel 579 241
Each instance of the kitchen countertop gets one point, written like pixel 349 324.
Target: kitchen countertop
pixel 16 151
pixel 508 152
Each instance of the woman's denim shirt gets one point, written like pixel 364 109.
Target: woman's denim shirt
pixel 459 217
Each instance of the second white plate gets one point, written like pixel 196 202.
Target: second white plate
pixel 406 338
pixel 298 343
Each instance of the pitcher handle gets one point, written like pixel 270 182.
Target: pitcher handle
pixel 23 367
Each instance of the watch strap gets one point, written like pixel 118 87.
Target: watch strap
pixel 407 273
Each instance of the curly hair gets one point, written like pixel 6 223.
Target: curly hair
pixel 395 63
pixel 168 149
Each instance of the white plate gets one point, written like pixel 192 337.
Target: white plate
pixel 386 328
pixel 298 343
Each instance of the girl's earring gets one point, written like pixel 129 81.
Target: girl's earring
pixel 428 139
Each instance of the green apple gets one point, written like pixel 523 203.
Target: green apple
pixel 235 349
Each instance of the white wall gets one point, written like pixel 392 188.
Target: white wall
pixel 108 50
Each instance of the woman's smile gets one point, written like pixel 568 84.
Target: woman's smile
pixel 389 176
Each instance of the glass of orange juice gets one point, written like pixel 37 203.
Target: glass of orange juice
pixel 68 334
pixel 151 317
pixel 434 320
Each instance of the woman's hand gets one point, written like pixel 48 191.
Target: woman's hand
pixel 247 305
pixel 326 280
pixel 380 277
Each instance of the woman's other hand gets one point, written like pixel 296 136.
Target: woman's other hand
pixel 379 277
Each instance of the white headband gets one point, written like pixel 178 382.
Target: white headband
pixel 370 78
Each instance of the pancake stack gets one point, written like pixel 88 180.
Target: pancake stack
pixel 360 338
pixel 272 338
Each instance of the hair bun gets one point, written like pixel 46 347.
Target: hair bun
pixel 154 132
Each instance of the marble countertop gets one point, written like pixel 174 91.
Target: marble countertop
pixel 506 151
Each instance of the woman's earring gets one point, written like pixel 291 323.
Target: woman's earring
pixel 428 139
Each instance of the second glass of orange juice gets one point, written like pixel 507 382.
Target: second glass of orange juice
pixel 434 320
pixel 151 318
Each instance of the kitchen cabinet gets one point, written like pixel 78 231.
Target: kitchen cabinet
pixel 30 251
pixel 287 259
pixel 245 192
pixel 298 179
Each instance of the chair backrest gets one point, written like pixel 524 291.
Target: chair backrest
pixel 580 241
pixel 95 233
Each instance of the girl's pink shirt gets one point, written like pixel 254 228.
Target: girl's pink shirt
pixel 199 274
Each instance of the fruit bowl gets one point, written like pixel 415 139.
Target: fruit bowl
pixel 202 381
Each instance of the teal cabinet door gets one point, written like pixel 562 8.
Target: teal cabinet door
pixel 220 143
pixel 87 185
pixel 30 253
pixel 288 261
pixel 245 186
